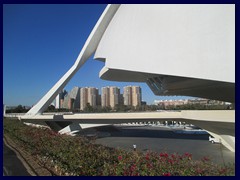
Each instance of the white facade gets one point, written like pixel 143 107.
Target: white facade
pixel 176 49
pixel 194 40
pixel 57 102
pixel 179 49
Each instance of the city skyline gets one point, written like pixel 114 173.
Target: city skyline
pixel 109 96
pixel 40 43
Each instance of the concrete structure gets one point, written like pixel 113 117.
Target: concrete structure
pixel 136 96
pixel 179 102
pixel 87 50
pixel 59 99
pixel 165 103
pixel 84 98
pixel 179 49
pixel 4 110
pixel 65 101
pixel 132 95
pixel 127 95
pixel 175 49
pixel 88 95
pixel 114 93
pixel 92 96
pixel 219 123
pixel 105 97
pixel 110 96
pixel 187 50
pixel 72 99
pixel 58 102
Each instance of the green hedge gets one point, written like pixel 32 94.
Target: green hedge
pixel 77 156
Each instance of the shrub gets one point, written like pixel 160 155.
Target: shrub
pixel 68 155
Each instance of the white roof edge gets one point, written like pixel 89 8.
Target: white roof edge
pixel 96 34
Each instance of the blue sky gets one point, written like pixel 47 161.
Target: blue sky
pixel 41 42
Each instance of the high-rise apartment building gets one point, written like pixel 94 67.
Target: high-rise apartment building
pixel 92 96
pixel 83 98
pixel 72 99
pixel 114 93
pixel 59 99
pixel 132 95
pixel 136 96
pixel 105 97
pixel 127 95
pixel 110 96
pixel 88 95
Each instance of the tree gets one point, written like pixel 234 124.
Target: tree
pixel 51 108
pixel 88 108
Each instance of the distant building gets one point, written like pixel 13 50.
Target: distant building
pixel 92 96
pixel 143 103
pixel 132 95
pixel 59 99
pixel 65 101
pixel 166 103
pixel 136 96
pixel 83 98
pixel 99 100
pixel 105 97
pixel 201 101
pixel 114 96
pixel 89 95
pixel 198 101
pixel 72 99
pixel 127 95
pixel 110 96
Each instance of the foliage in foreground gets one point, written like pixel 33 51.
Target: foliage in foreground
pixel 67 155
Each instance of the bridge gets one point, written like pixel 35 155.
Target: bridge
pixel 220 124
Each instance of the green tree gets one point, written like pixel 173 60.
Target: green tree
pixel 88 108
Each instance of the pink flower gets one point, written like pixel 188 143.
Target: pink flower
pixel 199 171
pixel 205 159
pixel 188 155
pixel 163 155
pixel 119 158
pixel 133 167
pixel 170 161
pixel 222 171
pixel 149 165
pixel 147 157
pixel 167 174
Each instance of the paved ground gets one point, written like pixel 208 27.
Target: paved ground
pixel 161 139
pixel 12 166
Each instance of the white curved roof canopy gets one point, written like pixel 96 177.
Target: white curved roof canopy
pixel 176 49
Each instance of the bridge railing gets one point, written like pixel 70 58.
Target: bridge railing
pixel 14 115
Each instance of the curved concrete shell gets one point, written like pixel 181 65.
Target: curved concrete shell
pixel 87 50
pixel 176 49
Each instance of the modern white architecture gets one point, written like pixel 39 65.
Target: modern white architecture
pixel 177 49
